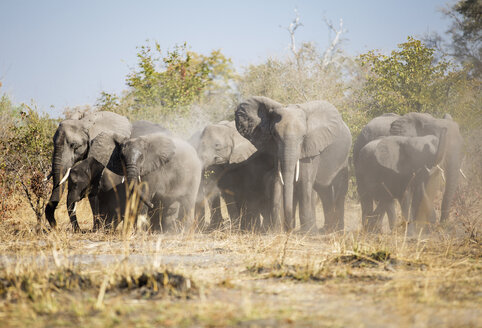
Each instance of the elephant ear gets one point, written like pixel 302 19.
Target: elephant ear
pixel 411 124
pixel 253 120
pixel 242 147
pixel 160 149
pixel 107 122
pixel 387 154
pixel 323 125
pixel 104 147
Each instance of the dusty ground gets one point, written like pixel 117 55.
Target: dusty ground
pixel 232 279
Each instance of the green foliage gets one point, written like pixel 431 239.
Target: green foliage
pixel 26 146
pixel 408 80
pixel 107 102
pixel 176 80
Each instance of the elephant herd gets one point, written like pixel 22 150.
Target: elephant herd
pixel 272 160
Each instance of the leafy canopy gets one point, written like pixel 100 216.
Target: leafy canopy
pixel 177 79
pixel 408 80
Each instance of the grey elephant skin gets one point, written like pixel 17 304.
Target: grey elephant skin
pixel 71 144
pixel 375 129
pixel 310 143
pixel 218 146
pixel 168 172
pixel 390 166
pixel 88 177
pixel 421 124
pixel 249 183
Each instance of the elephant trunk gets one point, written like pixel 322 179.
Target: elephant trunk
pixel 71 209
pixel 452 170
pixel 57 190
pixel 288 161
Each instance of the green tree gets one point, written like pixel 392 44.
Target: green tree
pixel 175 80
pixel 408 80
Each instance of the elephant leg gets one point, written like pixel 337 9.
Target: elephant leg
pixel 376 220
pixel 392 215
pixel 215 209
pixel 340 186
pixel 308 171
pixel 170 212
pixel 276 210
pixel 234 210
pixel 186 213
pixel 405 204
pixel 366 202
pixel 200 213
pixel 94 205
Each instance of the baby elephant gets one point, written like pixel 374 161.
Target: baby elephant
pixel 248 183
pixel 168 171
pixel 391 165
pixel 106 192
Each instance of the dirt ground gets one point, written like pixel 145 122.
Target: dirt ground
pixel 238 279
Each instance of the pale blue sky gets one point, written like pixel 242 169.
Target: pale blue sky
pixel 64 53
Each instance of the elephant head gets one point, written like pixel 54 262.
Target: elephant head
pixel 71 144
pixel 145 154
pixel 291 133
pixel 420 124
pixel 221 144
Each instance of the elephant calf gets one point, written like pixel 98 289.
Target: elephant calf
pixel 388 166
pixel 107 189
pixel 171 170
pixel 248 182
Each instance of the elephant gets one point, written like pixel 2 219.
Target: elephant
pixel 310 144
pixel 71 144
pixel 103 154
pixel 218 146
pixel 170 170
pixel 390 165
pixel 375 129
pixel 90 177
pixel 249 183
pixel 422 124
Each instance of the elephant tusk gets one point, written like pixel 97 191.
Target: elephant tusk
pixel 65 177
pixel 281 177
pixel 75 208
pixel 297 170
pixel 123 178
pixel 47 177
pixel 139 178
pixel 462 172
pixel 442 171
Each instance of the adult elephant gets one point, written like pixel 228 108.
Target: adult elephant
pixel 90 175
pixel 375 129
pixel 390 165
pixel 422 124
pixel 310 144
pixel 71 144
pixel 171 172
pixel 219 146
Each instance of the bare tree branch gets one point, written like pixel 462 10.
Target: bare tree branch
pixel 330 51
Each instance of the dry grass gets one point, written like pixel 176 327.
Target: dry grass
pixel 229 279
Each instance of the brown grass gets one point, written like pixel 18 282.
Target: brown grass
pixel 231 279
